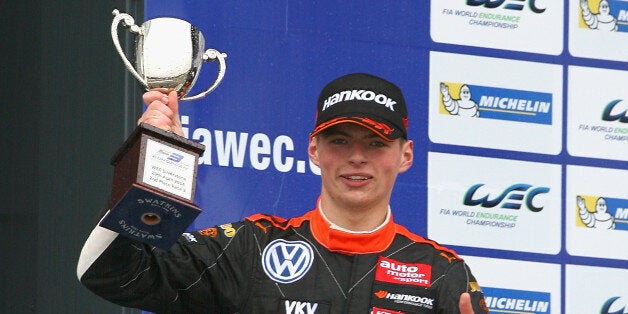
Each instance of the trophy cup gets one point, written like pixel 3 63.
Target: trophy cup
pixel 154 181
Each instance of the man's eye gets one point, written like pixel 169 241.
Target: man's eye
pixel 378 144
pixel 338 141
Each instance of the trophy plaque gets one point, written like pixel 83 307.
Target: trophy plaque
pixel 154 181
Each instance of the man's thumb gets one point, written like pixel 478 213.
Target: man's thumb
pixel 465 304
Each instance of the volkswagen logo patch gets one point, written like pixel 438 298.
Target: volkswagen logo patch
pixel 287 261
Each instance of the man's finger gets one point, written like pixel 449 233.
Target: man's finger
pixel 173 102
pixel 154 95
pixel 465 304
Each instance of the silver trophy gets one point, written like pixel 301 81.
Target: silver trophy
pixel 169 54
pixel 154 181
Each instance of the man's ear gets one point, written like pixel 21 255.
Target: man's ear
pixel 312 150
pixel 407 156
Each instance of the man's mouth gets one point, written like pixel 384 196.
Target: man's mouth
pixel 356 178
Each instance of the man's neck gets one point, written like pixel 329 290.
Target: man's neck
pixel 364 220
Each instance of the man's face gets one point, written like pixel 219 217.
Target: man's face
pixel 358 168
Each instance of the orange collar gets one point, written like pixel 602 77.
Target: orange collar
pixel 350 243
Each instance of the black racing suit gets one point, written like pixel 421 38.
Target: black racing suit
pixel 265 264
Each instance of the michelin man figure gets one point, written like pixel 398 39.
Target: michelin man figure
pixel 465 106
pixel 603 20
pixel 599 218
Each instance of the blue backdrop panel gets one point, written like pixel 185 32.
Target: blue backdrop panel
pixel 280 54
pixel 255 125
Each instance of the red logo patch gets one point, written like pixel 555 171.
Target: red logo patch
pixel 392 271
pixel 377 310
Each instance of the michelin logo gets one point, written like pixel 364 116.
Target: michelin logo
pixel 603 20
pixel 605 15
pixel 602 212
pixel 463 106
pixel 467 100
pixel 516 301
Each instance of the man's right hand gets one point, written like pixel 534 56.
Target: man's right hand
pixel 162 111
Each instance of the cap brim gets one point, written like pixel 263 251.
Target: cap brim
pixel 383 129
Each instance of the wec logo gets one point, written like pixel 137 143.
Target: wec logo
pixel 618 114
pixel 614 305
pixel 511 198
pixel 517 5
pixel 287 261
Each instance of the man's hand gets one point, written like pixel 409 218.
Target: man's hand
pixel 465 304
pixel 162 111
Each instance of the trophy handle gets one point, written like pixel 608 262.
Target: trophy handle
pixel 211 55
pixel 128 21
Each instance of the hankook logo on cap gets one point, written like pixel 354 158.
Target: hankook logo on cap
pixel 287 261
pixel 364 95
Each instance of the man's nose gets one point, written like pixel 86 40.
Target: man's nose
pixel 357 153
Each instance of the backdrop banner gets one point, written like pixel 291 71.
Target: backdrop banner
pixel 518 110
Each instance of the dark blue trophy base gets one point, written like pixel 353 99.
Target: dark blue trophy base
pixel 148 216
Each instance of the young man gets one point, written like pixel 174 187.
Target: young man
pixel 345 256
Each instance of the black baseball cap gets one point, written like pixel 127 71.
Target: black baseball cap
pixel 363 99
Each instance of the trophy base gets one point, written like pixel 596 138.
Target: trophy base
pixel 149 216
